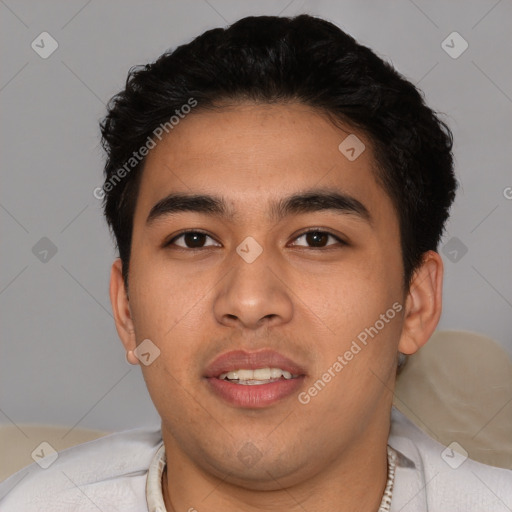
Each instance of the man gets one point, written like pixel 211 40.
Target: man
pixel 277 194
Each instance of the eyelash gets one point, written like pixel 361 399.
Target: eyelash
pixel 312 230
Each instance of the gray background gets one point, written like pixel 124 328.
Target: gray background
pixel 61 361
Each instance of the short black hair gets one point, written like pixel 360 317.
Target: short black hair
pixel 272 59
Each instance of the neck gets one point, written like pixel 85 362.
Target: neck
pixel 355 481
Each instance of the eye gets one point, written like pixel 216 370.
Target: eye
pixel 190 240
pixel 318 238
pixel 314 238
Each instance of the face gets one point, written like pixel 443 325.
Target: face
pixel 252 280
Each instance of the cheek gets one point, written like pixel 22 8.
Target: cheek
pixel 354 294
pixel 360 302
pixel 163 296
pixel 176 399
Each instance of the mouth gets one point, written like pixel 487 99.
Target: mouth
pixel 254 379
pixel 257 377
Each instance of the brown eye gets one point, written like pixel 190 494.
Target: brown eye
pixel 190 240
pixel 318 239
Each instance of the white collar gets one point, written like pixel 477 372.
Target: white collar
pixel 154 494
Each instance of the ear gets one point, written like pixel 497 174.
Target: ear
pixel 423 304
pixel 122 313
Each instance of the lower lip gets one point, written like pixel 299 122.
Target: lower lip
pixel 256 396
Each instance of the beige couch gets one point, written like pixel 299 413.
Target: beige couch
pixel 458 387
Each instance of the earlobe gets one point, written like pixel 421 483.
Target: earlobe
pixel 423 304
pixel 122 313
pixel 131 358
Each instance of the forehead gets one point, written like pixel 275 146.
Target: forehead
pixel 252 154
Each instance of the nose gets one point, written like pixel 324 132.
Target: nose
pixel 253 294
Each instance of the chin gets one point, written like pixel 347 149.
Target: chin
pixel 250 468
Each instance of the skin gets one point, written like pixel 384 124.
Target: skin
pixel 307 301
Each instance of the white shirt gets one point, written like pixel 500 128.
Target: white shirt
pixel 122 472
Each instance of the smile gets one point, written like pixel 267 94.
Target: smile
pixel 254 379
pixel 257 377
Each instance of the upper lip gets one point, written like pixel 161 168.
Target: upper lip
pixel 238 359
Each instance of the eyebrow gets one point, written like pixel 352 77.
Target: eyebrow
pixel 307 202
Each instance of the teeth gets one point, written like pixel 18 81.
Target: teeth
pixel 262 374
pixel 258 376
pixel 245 374
pixel 275 373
